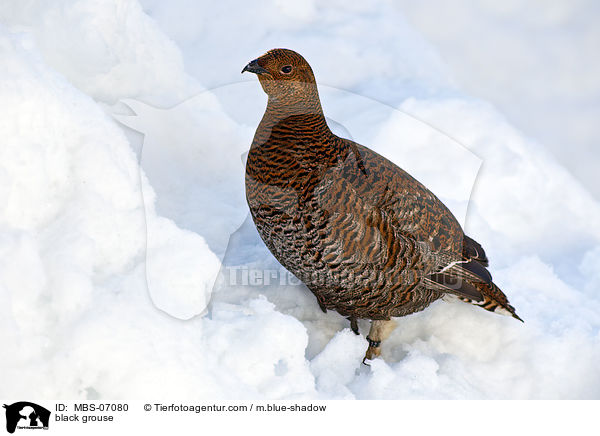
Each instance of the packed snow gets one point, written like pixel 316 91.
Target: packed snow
pixel 129 267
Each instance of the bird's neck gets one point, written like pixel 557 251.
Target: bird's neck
pixel 296 114
pixel 281 107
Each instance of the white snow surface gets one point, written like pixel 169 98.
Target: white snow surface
pixel 129 268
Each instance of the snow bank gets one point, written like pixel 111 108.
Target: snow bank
pixel 100 46
pixel 108 259
pixel 74 223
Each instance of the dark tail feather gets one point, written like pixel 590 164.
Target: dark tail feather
pixel 474 251
pixel 454 285
pixel 494 300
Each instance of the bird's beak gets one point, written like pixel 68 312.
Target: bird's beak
pixel 253 67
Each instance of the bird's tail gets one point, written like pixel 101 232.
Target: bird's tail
pixel 471 282
pixel 494 300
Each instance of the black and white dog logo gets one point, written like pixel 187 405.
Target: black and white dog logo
pixel 26 415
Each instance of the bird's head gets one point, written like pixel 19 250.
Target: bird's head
pixel 284 75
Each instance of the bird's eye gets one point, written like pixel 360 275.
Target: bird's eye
pixel 287 69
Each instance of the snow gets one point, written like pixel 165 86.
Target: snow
pixel 128 258
pixel 535 61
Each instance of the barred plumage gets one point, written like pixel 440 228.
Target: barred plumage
pixel 368 240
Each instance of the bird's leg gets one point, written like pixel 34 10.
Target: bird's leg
pixel 353 324
pixel 380 330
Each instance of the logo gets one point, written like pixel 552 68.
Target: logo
pixel 26 415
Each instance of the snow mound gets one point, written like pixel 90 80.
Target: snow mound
pixel 100 45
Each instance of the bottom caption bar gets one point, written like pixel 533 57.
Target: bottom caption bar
pixel 271 417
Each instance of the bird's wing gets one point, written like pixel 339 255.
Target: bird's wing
pixel 364 234
pixel 450 262
pixel 412 207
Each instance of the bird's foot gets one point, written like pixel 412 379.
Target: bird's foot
pixel 379 331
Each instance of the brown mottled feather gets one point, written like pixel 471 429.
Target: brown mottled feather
pixel 368 240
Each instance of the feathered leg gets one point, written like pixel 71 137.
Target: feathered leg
pixel 380 330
